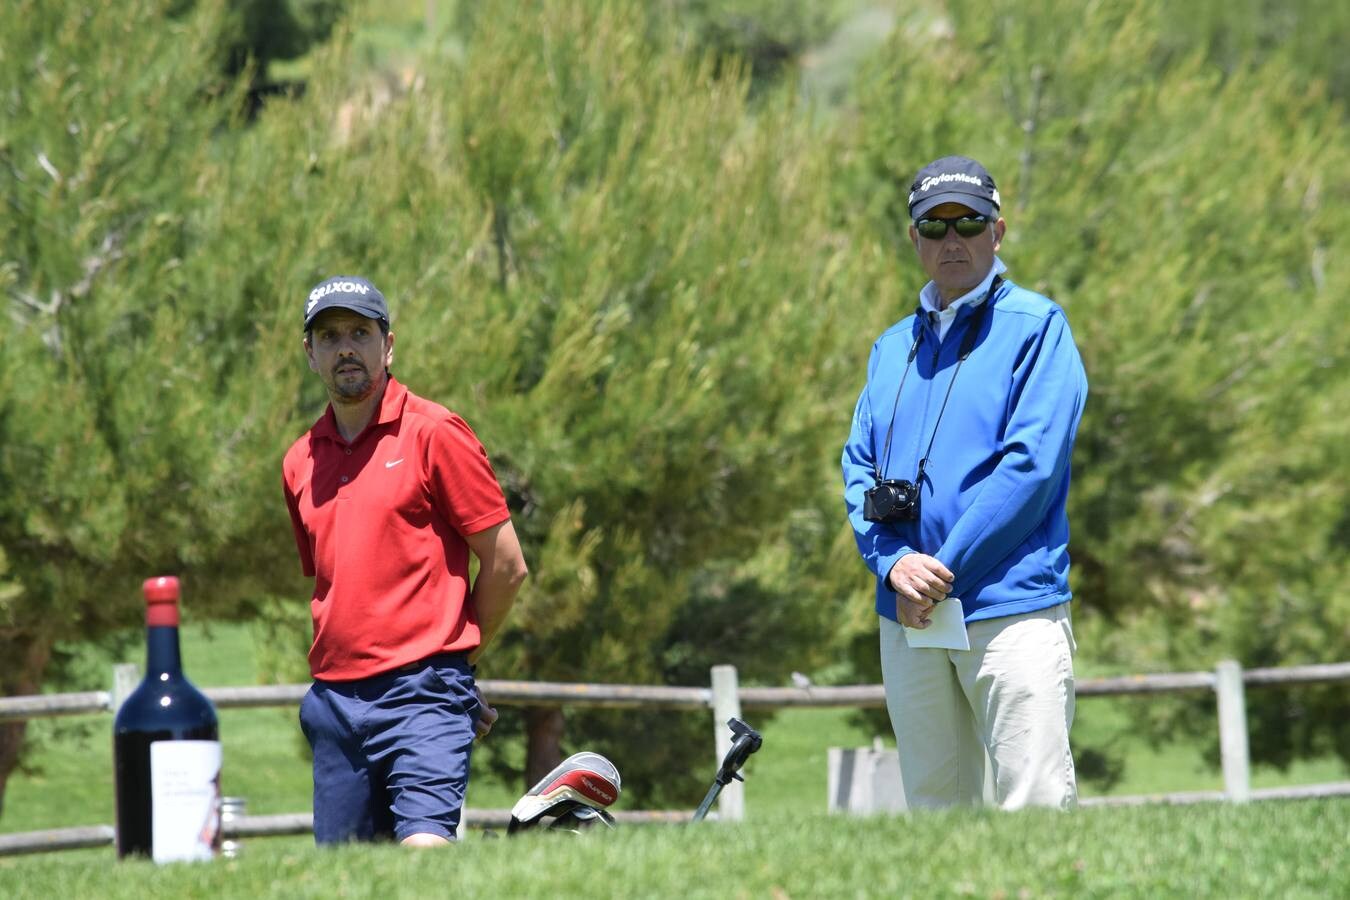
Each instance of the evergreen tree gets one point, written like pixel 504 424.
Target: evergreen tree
pixel 625 284
pixel 1188 219
pixel 120 454
pixel 626 287
pixel 653 299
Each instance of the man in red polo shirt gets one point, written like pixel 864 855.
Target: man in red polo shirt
pixel 388 495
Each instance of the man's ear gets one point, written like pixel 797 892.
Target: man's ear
pixel 309 354
pixel 1000 229
pixel 389 350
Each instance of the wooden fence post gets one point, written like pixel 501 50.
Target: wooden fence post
pixel 726 705
pixel 1233 731
pixel 126 676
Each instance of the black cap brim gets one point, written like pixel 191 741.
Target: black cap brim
pixel 980 205
pixel 342 302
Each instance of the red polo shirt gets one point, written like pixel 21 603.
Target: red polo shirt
pixel 380 524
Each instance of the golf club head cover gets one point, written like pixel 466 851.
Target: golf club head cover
pixel 582 780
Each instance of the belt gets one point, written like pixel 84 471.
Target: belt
pixel 436 659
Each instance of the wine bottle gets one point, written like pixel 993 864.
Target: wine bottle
pixel 166 749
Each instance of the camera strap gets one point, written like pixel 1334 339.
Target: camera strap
pixel 967 347
pixel 913 352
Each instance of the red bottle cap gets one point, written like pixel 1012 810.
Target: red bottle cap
pixel 161 600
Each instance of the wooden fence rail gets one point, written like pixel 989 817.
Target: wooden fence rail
pixel 726 699
pixel 535 693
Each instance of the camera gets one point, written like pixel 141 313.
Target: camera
pixel 891 500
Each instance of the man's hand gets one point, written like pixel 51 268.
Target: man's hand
pixel 486 716
pixel 919 581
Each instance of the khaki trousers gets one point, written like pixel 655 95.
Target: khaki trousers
pixel 1010 695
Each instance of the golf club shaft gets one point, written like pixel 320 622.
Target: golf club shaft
pixel 707 801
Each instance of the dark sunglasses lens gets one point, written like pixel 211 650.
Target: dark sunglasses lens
pixel 971 226
pixel 933 229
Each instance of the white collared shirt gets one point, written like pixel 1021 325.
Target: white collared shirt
pixel 931 301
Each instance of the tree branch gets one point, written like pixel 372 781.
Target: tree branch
pixel 1029 126
pixel 47 167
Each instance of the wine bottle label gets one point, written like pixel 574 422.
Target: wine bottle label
pixel 185 800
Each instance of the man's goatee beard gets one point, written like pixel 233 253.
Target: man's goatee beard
pixel 355 391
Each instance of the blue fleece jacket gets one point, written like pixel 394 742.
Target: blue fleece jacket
pixel 996 482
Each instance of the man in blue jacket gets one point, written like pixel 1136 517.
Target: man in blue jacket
pixel 956 473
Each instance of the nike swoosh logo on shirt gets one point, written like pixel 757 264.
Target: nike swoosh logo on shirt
pixel 393 462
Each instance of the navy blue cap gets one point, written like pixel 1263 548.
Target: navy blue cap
pixel 346 292
pixel 953 179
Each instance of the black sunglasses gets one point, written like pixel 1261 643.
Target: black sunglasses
pixel 966 227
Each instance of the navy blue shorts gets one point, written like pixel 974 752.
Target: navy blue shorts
pixel 391 753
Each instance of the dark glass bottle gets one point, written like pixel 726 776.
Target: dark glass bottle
pixel 166 749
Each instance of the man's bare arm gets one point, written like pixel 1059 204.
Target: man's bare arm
pixel 501 571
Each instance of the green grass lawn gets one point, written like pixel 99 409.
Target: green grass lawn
pixel 69 781
pixel 1292 849
pixel 785 848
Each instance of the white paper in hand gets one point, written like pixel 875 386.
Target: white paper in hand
pixel 946 628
